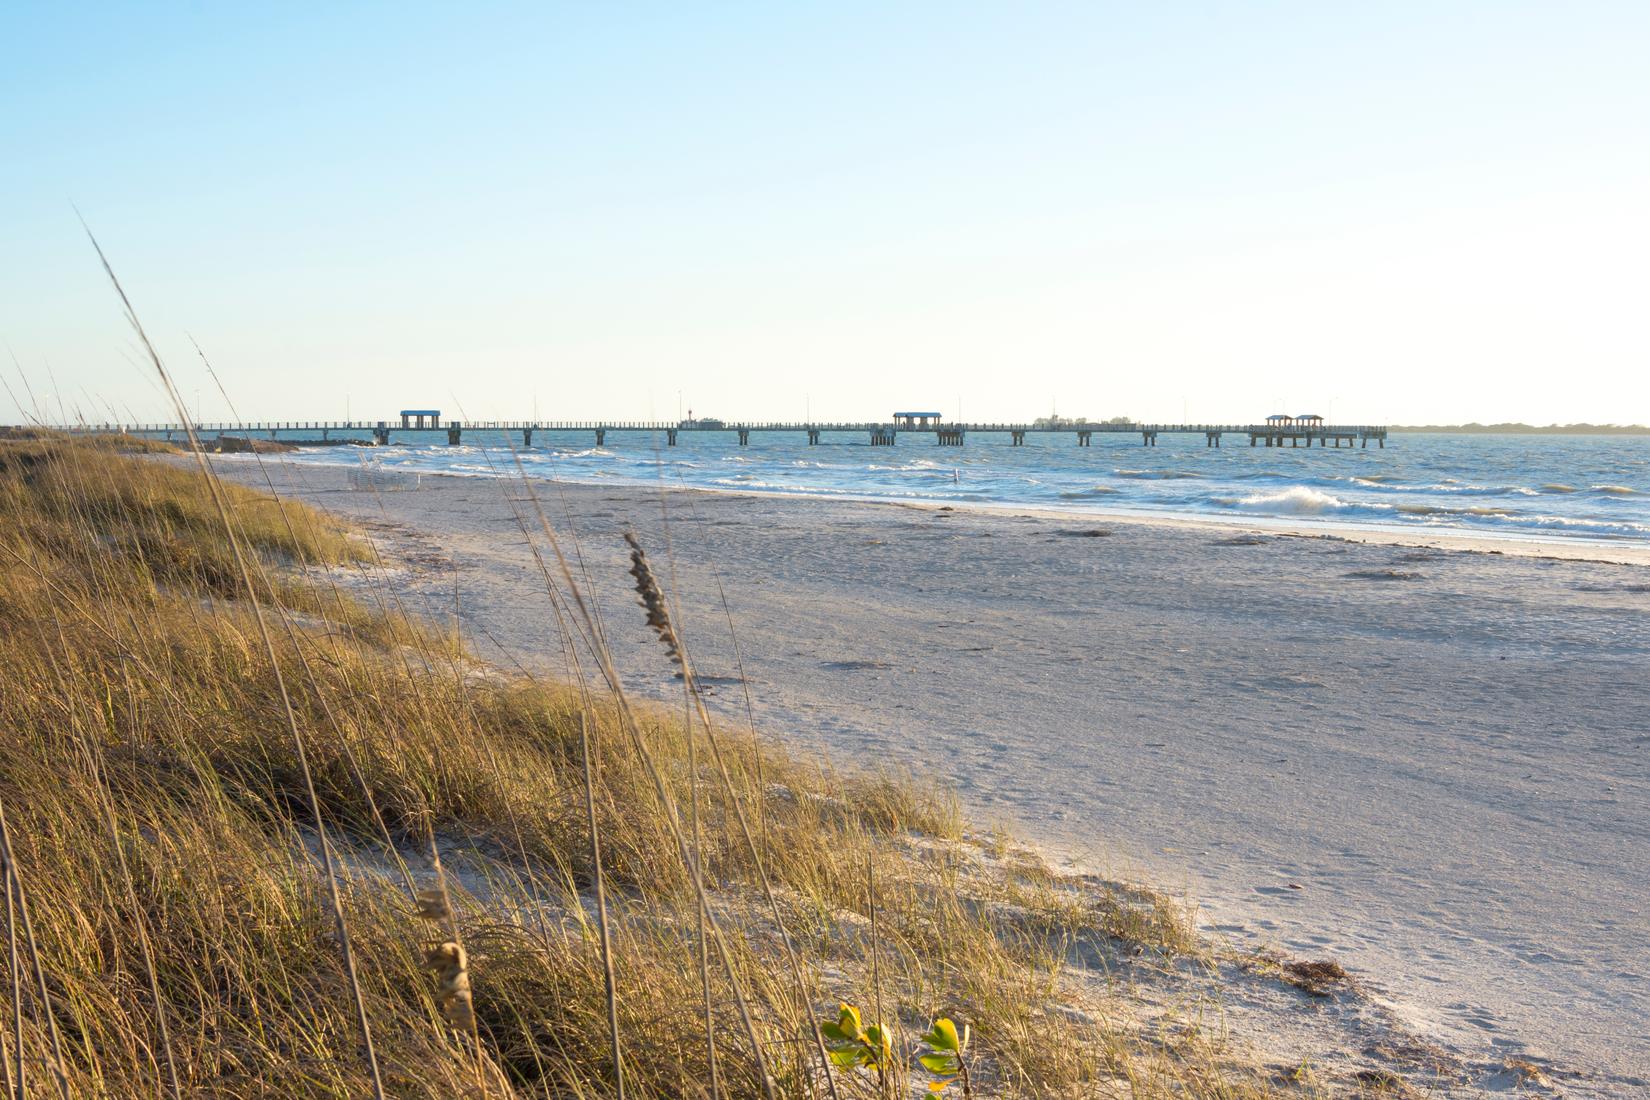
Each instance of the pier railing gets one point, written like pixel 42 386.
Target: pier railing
pixel 880 432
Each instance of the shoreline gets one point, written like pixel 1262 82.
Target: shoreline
pixel 864 625
pixel 1557 547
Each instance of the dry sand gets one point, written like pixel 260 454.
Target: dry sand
pixel 1430 764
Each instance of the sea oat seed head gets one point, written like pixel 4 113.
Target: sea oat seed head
pixel 653 598
pixel 452 983
pixel 432 905
pixel 446 958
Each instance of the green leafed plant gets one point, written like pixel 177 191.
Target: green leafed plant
pixel 855 1046
pixel 945 1057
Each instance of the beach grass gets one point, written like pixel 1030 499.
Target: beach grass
pixel 353 859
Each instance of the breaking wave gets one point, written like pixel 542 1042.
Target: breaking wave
pixel 1296 501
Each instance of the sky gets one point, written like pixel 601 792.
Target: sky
pixel 1381 213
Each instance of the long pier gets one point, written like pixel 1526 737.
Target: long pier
pixel 879 434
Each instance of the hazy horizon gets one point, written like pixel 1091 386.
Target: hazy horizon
pixel 1403 215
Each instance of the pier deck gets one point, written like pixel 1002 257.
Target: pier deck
pixel 879 433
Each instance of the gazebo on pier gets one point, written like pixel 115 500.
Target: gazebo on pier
pixel 917 421
pixel 1291 420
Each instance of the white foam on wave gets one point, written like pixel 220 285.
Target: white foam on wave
pixel 1451 485
pixel 1448 486
pixel 1599 527
pixel 1298 500
pixel 1158 475
pixel 918 467
pixel 752 482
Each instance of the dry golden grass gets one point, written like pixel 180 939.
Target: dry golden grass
pixel 167 859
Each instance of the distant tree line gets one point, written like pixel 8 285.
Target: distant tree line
pixel 1528 429
pixel 1075 421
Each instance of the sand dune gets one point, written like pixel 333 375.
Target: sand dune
pixel 1430 764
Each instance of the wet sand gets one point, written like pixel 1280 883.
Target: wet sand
pixel 1432 764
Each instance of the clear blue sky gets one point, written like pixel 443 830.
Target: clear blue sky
pixel 1394 212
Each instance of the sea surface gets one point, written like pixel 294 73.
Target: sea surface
pixel 1526 487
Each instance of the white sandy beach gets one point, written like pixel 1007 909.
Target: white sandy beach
pixel 1432 764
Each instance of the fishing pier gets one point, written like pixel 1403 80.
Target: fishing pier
pixel 419 424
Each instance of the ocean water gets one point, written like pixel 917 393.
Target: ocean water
pixel 1542 487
